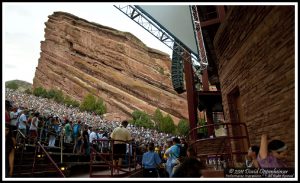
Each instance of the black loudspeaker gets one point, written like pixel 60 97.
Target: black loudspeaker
pixel 177 69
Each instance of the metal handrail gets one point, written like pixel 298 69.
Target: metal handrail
pixel 228 137
pixel 219 124
pixel 18 142
pixel 49 157
pixel 93 153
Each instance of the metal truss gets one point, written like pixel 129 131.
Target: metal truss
pixel 200 41
pixel 137 16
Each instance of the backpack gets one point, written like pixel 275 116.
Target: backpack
pixel 76 129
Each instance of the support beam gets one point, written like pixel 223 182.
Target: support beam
pixel 161 34
pixel 205 80
pixel 191 94
pixel 221 13
pixel 219 19
pixel 210 22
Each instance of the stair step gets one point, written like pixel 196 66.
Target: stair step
pixel 38 174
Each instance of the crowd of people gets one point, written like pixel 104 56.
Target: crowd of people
pixel 27 107
pixel 161 155
pixel 44 120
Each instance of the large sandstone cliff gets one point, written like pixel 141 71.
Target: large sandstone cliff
pixel 80 57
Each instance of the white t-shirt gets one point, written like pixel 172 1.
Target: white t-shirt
pixel 93 136
pixel 13 118
pixel 35 120
pixel 22 121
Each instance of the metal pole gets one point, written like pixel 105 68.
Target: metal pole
pixel 61 147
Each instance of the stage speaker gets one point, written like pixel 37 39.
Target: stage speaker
pixel 177 69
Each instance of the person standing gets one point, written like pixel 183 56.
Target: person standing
pixel 120 137
pixel 7 112
pixel 84 149
pixel 166 147
pixel 68 132
pixel 10 143
pixel 93 138
pixel 251 157
pixel 33 129
pixel 150 162
pixel 173 154
pixel 77 136
pixel 13 121
pixel 52 133
pixel 23 122
pixel 272 154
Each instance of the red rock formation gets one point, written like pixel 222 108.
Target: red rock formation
pixel 81 57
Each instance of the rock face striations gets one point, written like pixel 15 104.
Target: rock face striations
pixel 81 57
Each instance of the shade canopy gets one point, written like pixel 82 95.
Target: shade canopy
pixel 176 20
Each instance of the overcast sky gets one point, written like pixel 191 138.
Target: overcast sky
pixel 23 30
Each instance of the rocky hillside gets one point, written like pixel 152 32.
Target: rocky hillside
pixel 80 57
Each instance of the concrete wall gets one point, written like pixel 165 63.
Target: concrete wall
pixel 256 51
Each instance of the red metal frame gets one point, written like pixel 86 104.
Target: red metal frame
pixel 227 139
pixel 191 93
pixel 109 164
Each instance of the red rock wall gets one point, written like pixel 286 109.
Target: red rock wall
pixel 80 57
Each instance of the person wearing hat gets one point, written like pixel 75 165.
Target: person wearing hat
pixel 272 154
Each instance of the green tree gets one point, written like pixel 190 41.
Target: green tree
pixel 141 119
pixel 12 85
pixel 167 125
pixel 100 107
pixel 75 103
pixel 69 102
pixel 58 96
pixel 157 117
pixel 183 127
pixel 40 92
pixel 90 104
pixel 51 93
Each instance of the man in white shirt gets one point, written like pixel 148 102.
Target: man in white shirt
pixel 121 136
pixel 23 122
pixel 94 136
